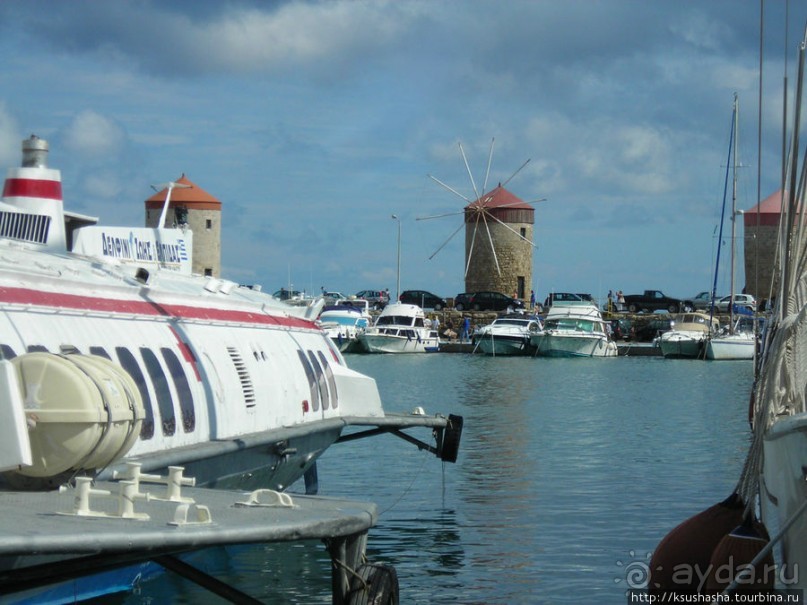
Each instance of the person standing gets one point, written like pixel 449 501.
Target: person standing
pixel 532 299
pixel 466 328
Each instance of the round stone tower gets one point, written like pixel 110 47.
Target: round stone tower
pixel 512 242
pixel 201 212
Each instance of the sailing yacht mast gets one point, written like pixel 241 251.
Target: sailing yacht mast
pixel 733 210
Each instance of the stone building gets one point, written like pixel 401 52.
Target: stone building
pixel 761 232
pixel 512 242
pixel 193 206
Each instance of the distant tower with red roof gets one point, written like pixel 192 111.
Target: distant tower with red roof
pixel 201 212
pixel 498 244
pixel 761 233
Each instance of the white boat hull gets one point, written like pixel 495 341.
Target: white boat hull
pixel 782 493
pixel 572 345
pixel 736 346
pixel 504 345
pixel 681 346
pixel 392 343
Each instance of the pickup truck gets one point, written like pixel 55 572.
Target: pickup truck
pixel 654 300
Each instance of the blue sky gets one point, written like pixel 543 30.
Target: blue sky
pixel 314 122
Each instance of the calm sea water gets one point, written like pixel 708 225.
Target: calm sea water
pixel 570 472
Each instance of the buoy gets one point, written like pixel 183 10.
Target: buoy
pixel 733 555
pixel 374 584
pixel 680 563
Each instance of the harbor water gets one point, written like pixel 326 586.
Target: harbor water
pixel 570 472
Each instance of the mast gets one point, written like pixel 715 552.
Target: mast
pixel 733 211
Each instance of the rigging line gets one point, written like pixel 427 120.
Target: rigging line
pixel 487 172
pixel 516 172
pixel 450 237
pixel 451 189
pixel 471 248
pixel 468 168
pixel 415 477
pixel 492 247
pixel 508 227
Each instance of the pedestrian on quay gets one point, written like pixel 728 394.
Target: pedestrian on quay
pixel 532 299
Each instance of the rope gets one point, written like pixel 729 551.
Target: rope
pixel 408 488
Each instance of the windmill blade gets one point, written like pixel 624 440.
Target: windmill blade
pixel 487 172
pixel 492 247
pixel 516 172
pixel 509 228
pixel 471 249
pixel 454 191
pixel 468 168
pixel 426 218
pixel 450 237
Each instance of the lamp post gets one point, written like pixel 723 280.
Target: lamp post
pixel 398 283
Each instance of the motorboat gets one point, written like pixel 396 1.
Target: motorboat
pixel 119 366
pixel 508 335
pixel 574 330
pixel 400 328
pixel 344 321
pixel 688 335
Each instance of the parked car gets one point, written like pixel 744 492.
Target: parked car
pixel 702 301
pixel 378 299
pixel 566 297
pixel 284 294
pixel 494 301
pixel 743 301
pixel 423 299
pixel 331 297
pixel 463 301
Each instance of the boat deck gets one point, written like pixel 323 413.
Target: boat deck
pixel 67 545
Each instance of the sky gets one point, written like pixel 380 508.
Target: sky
pixel 314 122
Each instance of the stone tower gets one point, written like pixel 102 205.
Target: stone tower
pixel 761 232
pixel 193 206
pixel 513 253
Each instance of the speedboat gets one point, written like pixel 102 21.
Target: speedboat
pixel 344 321
pixel 688 335
pixel 509 335
pixel 400 328
pixel 120 365
pixel 573 330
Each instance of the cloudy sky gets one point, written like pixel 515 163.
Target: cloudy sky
pixel 314 122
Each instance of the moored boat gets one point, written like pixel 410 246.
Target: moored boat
pixel 688 336
pixel 508 335
pixel 574 330
pixel 400 328
pixel 344 321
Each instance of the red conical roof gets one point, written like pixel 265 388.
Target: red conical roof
pixel 500 198
pixel 192 196
pixel 767 212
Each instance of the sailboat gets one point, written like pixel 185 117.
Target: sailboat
pixel 739 340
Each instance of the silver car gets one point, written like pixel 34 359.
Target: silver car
pixel 743 301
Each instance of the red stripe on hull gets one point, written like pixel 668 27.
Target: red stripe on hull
pixel 39 298
pixel 51 190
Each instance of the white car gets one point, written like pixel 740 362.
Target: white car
pixel 743 301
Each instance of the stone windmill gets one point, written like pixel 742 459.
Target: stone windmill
pixel 498 236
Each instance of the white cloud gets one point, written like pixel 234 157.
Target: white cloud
pixel 94 135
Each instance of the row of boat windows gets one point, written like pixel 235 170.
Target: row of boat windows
pixel 321 382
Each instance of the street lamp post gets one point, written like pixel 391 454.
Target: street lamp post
pixel 398 283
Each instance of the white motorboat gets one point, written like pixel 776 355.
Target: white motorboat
pixel 509 335
pixel 400 328
pixel 688 335
pixel 574 330
pixel 344 321
pixel 118 363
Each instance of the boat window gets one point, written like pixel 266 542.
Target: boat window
pixel 312 381
pixel 331 381
pixel 7 352
pixel 183 390
pixel 160 382
pixel 321 383
pixel 129 363
pixel 37 349
pixel 100 351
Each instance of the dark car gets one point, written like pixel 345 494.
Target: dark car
pixel 378 299
pixel 423 299
pixel 494 301
pixel 463 301
pixel 284 294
